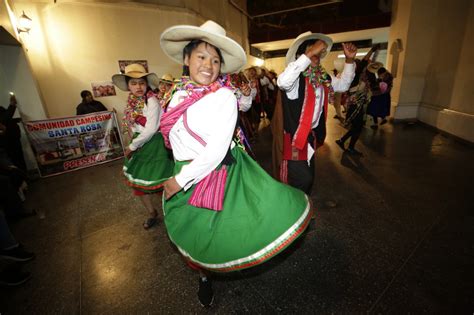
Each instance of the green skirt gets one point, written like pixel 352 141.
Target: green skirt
pixel 149 166
pixel 260 218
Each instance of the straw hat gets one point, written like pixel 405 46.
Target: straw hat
pixel 291 54
pixel 374 66
pixel 175 38
pixel 167 78
pixel 134 71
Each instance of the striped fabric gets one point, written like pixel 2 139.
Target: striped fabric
pixel 284 171
pixel 209 192
pixel 171 116
pixel 300 138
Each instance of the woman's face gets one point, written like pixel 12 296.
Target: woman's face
pixel 164 87
pixel 204 64
pixel 253 73
pixel 137 86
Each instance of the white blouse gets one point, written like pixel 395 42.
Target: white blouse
pixel 245 102
pixel 288 81
pixel 213 118
pixel 152 112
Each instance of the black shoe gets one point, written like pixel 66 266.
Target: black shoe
pixel 205 293
pixel 14 278
pixel 383 122
pixel 17 254
pixel 340 144
pixel 354 152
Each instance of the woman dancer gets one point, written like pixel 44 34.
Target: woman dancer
pixel 222 210
pixel 147 162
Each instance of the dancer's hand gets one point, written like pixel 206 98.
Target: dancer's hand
pixel 13 100
pixel 350 51
pixel 128 153
pixel 317 49
pixel 171 187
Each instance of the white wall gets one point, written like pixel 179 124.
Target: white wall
pixel 434 82
pixel 73 44
pixel 447 101
pixel 15 76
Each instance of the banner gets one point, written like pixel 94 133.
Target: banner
pixel 66 144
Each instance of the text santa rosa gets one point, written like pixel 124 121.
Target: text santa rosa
pixel 68 127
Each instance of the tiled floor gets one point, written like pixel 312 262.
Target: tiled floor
pixel 394 233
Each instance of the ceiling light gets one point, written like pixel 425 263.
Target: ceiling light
pixel 259 62
pixel 24 23
pixel 357 55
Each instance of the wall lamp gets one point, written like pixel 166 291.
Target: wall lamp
pixel 24 23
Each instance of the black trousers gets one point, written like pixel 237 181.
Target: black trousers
pixel 355 130
pixel 301 175
pixel 9 199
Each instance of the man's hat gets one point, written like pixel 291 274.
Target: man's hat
pixel 291 54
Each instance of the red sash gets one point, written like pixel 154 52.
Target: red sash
pixel 296 149
pixel 300 139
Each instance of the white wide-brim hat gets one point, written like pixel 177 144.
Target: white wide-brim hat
pixel 134 71
pixel 291 54
pixel 175 38
pixel 374 67
pixel 167 78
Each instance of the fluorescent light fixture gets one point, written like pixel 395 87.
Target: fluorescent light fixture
pixel 357 55
pixel 259 62
pixel 24 23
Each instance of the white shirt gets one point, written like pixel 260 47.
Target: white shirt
pixel 152 112
pixel 265 81
pixel 213 118
pixel 245 102
pixel 253 93
pixel 288 81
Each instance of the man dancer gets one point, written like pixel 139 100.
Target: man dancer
pixel 306 89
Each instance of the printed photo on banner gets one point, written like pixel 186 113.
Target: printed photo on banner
pixel 66 144
pixel 101 89
pixel 124 63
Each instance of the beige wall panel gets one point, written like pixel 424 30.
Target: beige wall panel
pixel 74 44
pixel 401 11
pixel 463 91
pixel 444 50
pixel 5 18
pixel 212 10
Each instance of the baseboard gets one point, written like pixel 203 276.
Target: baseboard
pixel 447 134
pixel 404 111
pixel 454 123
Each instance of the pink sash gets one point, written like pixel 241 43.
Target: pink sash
pixel 171 116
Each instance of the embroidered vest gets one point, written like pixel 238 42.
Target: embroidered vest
pixel 292 112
